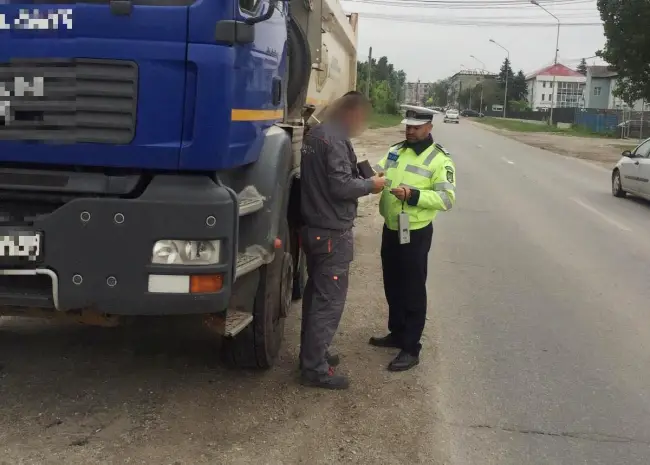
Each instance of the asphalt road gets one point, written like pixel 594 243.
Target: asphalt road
pixel 536 348
pixel 540 308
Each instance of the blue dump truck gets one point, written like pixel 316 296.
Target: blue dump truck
pixel 149 158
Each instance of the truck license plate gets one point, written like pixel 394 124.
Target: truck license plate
pixel 20 246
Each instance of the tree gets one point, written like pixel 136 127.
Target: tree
pixel 519 105
pixel 519 89
pixel 582 67
pixel 386 84
pixel 492 93
pixel 627 48
pixel 465 98
pixel 506 71
pixel 439 92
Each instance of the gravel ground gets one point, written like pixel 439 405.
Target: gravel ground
pixel 78 395
pixel 602 151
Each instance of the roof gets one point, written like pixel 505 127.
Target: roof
pixel 601 71
pixel 558 70
pixel 472 72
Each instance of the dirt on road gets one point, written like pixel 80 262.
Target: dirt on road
pixel 602 151
pixel 77 395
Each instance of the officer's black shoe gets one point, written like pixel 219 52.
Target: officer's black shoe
pixel 333 360
pixel 329 380
pixel 386 341
pixel 404 361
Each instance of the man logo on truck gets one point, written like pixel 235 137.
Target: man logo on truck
pixel 21 88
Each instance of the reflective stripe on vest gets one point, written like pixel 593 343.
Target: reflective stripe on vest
pixel 415 172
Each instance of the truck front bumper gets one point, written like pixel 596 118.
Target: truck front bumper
pixel 97 252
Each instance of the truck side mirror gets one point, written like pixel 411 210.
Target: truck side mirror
pixel 265 17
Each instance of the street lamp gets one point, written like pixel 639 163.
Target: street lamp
pixel 483 64
pixel 480 108
pixel 505 94
pixel 557 49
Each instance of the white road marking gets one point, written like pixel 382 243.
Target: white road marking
pixel 507 161
pixel 611 221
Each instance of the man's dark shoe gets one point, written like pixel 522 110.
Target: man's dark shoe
pixel 404 361
pixel 333 360
pixel 329 380
pixel 386 341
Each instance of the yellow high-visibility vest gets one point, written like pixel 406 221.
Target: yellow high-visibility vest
pixel 432 173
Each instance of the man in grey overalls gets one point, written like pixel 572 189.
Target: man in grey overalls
pixel 330 189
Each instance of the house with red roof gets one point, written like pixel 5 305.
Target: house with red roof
pixel 555 84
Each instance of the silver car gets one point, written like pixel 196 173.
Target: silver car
pixel 452 116
pixel 632 172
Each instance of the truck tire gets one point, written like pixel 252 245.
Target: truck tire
pixel 257 346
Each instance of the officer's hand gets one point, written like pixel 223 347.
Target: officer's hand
pixel 402 193
pixel 378 183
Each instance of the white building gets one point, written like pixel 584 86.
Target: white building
pixel 415 93
pixel 567 93
pixel 599 91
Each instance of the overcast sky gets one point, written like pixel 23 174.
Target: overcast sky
pixel 425 43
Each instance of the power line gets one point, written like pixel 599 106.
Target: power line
pixel 472 21
pixel 474 4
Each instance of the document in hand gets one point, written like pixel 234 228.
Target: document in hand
pixel 365 169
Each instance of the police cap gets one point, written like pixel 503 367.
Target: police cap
pixel 417 116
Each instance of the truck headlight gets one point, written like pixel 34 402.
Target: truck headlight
pixel 176 252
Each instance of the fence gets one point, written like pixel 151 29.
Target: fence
pixel 560 115
pixel 618 123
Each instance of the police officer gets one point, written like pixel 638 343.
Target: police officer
pixel 330 189
pixel 420 181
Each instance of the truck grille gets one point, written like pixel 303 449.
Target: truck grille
pixel 82 101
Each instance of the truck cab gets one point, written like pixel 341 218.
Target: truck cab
pixel 149 160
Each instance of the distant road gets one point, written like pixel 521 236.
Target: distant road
pixel 540 299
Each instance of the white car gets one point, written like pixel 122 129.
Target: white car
pixel 632 172
pixel 452 116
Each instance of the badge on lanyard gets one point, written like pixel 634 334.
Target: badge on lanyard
pixel 403 224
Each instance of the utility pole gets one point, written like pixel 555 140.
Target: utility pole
pixel 557 49
pixel 505 94
pixel 369 73
pixel 480 108
pixel 642 113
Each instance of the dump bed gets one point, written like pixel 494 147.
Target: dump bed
pixel 332 37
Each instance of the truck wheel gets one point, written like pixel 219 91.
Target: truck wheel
pixel 257 346
pixel 300 276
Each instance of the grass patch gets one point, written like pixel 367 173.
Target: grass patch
pixel 383 120
pixel 523 126
pixel 519 126
pixel 622 147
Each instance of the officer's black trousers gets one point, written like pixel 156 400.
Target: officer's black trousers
pixel 405 284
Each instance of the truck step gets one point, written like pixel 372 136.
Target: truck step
pixel 250 201
pixel 236 321
pixel 247 262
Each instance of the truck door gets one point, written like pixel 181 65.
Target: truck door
pixel 238 83
pixel 114 81
pixel 258 100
